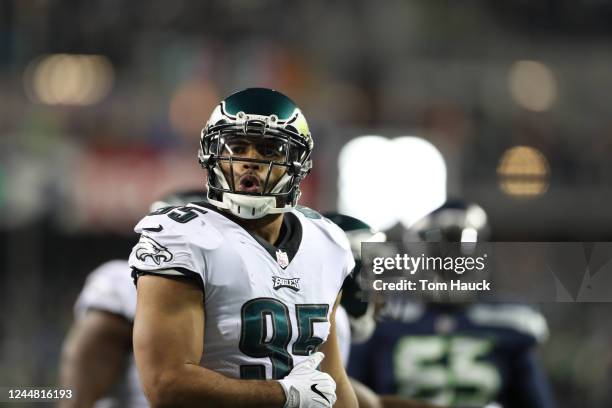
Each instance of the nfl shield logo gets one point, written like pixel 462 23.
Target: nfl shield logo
pixel 282 258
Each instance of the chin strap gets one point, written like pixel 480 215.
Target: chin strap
pixel 249 207
pixel 246 206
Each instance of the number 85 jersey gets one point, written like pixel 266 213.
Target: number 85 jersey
pixel 267 307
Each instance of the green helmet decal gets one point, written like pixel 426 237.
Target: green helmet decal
pixel 260 101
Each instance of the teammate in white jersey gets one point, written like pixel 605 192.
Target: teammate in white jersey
pixel 235 298
pixel 97 360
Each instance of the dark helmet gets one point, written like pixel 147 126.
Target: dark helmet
pixel 455 221
pixel 454 230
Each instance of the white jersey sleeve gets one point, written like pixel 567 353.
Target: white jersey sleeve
pixel 175 242
pixel 109 288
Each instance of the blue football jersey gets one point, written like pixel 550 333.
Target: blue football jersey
pixel 456 355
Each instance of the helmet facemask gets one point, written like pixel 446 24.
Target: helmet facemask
pixel 255 162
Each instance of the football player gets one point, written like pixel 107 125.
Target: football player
pixel 97 361
pixel 358 315
pixel 355 317
pixel 466 354
pixel 236 296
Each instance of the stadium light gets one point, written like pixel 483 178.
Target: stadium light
pixel 385 181
pixel 523 172
pixel 532 85
pixel 68 79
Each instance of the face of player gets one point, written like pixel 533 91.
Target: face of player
pixel 250 176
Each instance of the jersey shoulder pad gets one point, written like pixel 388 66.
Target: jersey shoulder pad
pixel 175 237
pixel 191 223
pixel 523 319
pixel 110 288
pixel 331 230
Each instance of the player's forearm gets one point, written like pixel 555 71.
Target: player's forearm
pixel 345 393
pixel 86 387
pixel 365 396
pixel 93 358
pixel 84 393
pixel 346 396
pixel 195 386
pixel 332 365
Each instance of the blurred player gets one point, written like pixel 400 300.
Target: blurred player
pixel 355 317
pixel 235 297
pixel 97 361
pixel 464 354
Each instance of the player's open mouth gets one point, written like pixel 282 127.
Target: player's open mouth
pixel 249 183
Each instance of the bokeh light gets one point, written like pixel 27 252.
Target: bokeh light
pixel 68 79
pixel 532 85
pixel 386 181
pixel 523 172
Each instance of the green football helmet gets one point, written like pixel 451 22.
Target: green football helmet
pixel 270 126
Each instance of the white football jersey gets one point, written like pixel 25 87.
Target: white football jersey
pixel 267 308
pixel 110 288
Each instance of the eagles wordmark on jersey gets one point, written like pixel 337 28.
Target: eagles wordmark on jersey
pixel 264 312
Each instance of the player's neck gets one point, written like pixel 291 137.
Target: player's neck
pixel 268 227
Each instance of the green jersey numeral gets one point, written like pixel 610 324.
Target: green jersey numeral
pixel 445 370
pixel 266 333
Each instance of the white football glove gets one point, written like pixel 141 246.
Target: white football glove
pixel 307 387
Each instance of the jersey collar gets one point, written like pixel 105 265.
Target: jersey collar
pixel 288 241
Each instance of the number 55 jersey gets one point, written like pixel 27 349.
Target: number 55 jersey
pixel 456 355
pixel 267 307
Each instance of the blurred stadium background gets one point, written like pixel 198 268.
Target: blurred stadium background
pixel 101 103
